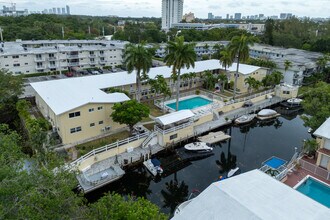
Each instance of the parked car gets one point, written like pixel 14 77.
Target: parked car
pixel 89 71
pixel 100 70
pixel 69 74
pixel 95 72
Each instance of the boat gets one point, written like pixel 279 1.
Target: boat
pixel 153 166
pixel 232 172
pixel 244 119
pixel 183 205
pixel 267 114
pixel 292 103
pixel 198 147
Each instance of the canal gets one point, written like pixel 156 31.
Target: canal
pixel 248 147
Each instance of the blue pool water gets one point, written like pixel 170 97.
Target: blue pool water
pixel 316 190
pixel 275 162
pixel 190 103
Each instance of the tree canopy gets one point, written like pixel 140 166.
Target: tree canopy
pixel 316 105
pixel 129 112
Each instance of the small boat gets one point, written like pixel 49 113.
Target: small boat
pixel 244 119
pixel 292 103
pixel 181 207
pixel 267 114
pixel 198 147
pixel 232 172
pixel 310 130
pixel 153 166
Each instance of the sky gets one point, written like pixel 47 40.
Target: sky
pixel 152 8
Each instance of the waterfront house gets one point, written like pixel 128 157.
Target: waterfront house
pixel 252 195
pixel 323 138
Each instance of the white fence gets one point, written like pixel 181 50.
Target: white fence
pixel 314 169
pixel 173 128
pixel 108 147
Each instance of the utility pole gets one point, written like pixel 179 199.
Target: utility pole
pixel 103 31
pixel 89 30
pixel 63 32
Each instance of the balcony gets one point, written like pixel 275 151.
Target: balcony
pixel 39 59
pixel 73 56
pixel 52 66
pixel 92 56
pixel 52 58
pixel 92 62
pixel 73 64
pixel 102 62
pixel 40 67
pixel 101 55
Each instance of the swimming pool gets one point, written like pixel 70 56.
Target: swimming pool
pixel 190 103
pixel 315 190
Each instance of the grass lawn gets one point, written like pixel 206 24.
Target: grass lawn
pixel 86 147
pixel 146 119
pixel 154 110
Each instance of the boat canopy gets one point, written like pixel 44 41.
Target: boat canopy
pixel 267 112
pixel 174 117
pixel 155 162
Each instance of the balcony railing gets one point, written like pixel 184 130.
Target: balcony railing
pixel 52 58
pixel 73 64
pixel 52 66
pixel 39 59
pixel 102 61
pixel 92 55
pixel 40 67
pixel 73 56
pixel 169 130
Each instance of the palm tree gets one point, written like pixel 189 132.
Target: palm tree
pixel 226 59
pixel 322 61
pixel 251 82
pixel 174 194
pixel 138 58
pixel 223 79
pixel 209 80
pixel 239 47
pixel 179 55
pixel 160 86
pixel 192 76
pixel 277 77
pixel 218 48
pixel 287 65
pixel 206 48
pixel 184 78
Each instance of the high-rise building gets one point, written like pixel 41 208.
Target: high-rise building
pixel 54 10
pixel 289 15
pixel 63 11
pixel 238 16
pixel 227 16
pixel 210 15
pixel 283 16
pixel 172 11
pixel 67 9
pixel 58 11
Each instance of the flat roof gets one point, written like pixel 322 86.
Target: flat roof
pixel 66 94
pixel 174 117
pixel 324 130
pixel 252 195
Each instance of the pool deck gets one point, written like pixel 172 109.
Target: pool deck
pixel 296 176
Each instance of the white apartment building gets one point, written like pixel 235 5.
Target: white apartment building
pixel 172 11
pixel 27 57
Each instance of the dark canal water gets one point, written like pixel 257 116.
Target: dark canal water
pixel 248 147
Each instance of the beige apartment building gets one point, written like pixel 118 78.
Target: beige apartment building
pixel 27 57
pixel 80 108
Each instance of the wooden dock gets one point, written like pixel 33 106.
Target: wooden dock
pixel 214 137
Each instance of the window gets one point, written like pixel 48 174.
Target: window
pixel 16 64
pixel 5 56
pixel 74 130
pixel 286 92
pixel 15 57
pixel 38 56
pixel 100 108
pixel 26 63
pixel 74 114
pixel 91 124
pixel 91 109
pixel 7 65
pixel 173 136
pixel 100 122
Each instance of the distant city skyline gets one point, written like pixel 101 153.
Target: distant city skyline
pixel 152 8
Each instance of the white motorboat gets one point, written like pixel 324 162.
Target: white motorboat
pixel 244 119
pixel 198 147
pixel 294 101
pixel 232 172
pixel 153 166
pixel 267 114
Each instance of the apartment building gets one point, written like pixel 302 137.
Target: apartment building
pixel 323 138
pixel 80 108
pixel 27 57
pixel 172 11
pixel 303 63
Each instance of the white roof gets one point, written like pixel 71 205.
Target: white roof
pixel 174 117
pixel 252 195
pixel 324 130
pixel 244 68
pixel 66 94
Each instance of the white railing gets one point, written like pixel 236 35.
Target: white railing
pixel 107 147
pixel 173 128
pixel 249 97
pixel 314 169
pixel 149 138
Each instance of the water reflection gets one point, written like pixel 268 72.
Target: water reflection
pixel 174 194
